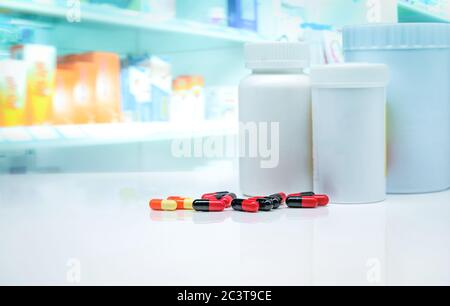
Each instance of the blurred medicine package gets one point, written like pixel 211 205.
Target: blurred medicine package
pixel 146 88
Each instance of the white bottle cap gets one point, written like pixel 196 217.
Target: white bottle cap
pixel 350 75
pixel 276 55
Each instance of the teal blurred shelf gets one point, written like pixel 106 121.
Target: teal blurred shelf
pixel 15 138
pixel 411 13
pixel 131 19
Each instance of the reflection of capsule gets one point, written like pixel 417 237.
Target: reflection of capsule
pixel 158 204
pixel 214 195
pixel 301 202
pixel 184 203
pixel 322 199
pixel 208 205
pixel 248 205
pixel 228 198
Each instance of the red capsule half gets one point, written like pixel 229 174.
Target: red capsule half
pixel 322 199
pixel 208 205
pixel 302 202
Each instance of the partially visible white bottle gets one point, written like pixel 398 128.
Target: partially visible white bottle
pixel 275 143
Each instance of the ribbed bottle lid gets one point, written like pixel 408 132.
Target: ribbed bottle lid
pixel 276 55
pixel 396 36
pixel 350 75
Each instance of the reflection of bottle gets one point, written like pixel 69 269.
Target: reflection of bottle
pixel 12 92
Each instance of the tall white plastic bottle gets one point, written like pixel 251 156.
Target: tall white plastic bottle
pixel 275 144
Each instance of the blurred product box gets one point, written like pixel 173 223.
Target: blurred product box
pixel 161 81
pixel 107 85
pixel 63 102
pixel 221 103
pixel 136 92
pixel 84 102
pixel 146 88
pixel 188 99
pixel 243 14
pixel 13 75
pixel 41 66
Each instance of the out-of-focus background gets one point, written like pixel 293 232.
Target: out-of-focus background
pixel 107 85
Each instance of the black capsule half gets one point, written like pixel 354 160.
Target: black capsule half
pixel 276 202
pixel 266 204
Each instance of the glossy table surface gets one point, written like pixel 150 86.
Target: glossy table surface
pixel 97 229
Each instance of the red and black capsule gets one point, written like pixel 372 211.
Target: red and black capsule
pixel 215 195
pixel 278 199
pixel 266 203
pixel 322 199
pixel 248 205
pixel 301 202
pixel 280 195
pixel 228 198
pixel 208 205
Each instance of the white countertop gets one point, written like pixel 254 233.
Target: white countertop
pixel 98 229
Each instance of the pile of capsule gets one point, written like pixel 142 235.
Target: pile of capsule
pixel 219 201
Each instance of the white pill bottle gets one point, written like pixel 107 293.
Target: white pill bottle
pixel 349 131
pixel 275 129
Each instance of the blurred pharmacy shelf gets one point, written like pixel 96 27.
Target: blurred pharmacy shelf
pixel 16 138
pixel 132 19
pixel 408 12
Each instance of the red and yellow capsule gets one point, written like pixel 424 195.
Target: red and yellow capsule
pixel 158 204
pixel 208 205
pixel 301 202
pixel 182 202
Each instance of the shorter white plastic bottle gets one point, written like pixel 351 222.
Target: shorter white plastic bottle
pixel 349 131
pixel 275 144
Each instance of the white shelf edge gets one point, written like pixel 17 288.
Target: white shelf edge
pixel 102 134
